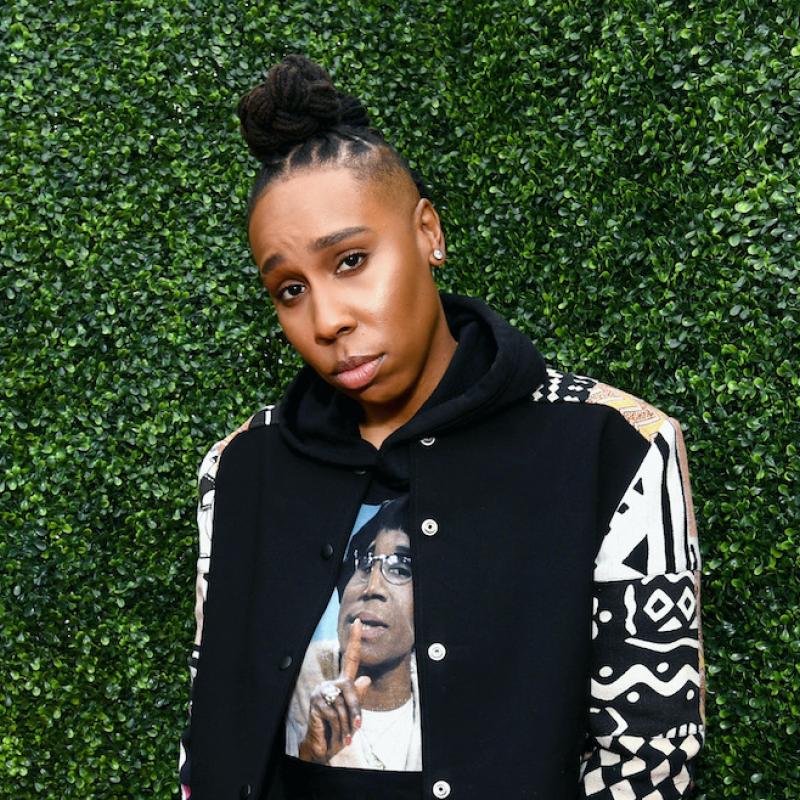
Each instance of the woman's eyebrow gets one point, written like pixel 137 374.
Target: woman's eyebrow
pixel 328 240
pixel 331 239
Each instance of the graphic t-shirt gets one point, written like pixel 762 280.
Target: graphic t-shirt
pixel 377 664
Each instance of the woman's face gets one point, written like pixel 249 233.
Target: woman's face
pixel 347 264
pixel 386 610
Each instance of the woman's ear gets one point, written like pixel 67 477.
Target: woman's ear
pixel 430 235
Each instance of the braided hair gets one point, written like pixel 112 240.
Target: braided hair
pixel 297 118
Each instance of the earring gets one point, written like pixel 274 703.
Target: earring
pixel 438 254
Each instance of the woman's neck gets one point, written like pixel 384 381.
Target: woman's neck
pixel 382 421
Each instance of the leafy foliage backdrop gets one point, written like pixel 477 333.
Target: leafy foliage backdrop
pixel 617 178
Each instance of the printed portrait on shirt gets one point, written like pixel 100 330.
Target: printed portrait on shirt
pixel 356 701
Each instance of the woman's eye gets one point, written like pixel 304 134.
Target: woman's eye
pixel 351 261
pixel 399 565
pixel 400 570
pixel 291 291
pixel 365 563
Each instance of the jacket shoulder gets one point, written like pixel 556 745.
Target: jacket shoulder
pixel 210 462
pixel 207 473
pixel 569 387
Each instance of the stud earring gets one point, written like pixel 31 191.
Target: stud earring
pixel 438 254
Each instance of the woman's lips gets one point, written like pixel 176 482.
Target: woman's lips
pixel 358 372
pixel 372 627
pixel 369 632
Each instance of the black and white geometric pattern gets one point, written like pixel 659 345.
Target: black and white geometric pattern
pixel 563 386
pixel 646 717
pixel 634 768
pixel 645 670
pixel 649 532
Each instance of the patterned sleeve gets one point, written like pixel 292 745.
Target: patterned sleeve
pixel 646 719
pixel 205 513
pixel 205 517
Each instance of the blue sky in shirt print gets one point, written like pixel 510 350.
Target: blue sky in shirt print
pixel 326 627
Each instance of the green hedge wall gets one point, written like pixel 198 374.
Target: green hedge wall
pixel 619 179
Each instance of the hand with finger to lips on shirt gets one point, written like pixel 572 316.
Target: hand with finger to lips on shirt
pixel 376 637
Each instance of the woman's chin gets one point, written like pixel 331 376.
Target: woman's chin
pixel 377 661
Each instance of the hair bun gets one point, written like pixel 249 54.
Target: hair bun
pixel 296 100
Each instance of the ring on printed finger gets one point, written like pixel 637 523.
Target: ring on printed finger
pixel 331 695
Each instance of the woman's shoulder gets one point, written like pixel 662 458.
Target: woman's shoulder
pixel 209 464
pixel 570 387
pixel 207 473
pixel 265 416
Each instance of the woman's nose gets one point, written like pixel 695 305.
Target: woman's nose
pixel 332 317
pixel 376 585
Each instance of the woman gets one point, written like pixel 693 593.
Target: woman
pixel 356 702
pixel 556 564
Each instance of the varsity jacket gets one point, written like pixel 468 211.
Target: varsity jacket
pixel 556 580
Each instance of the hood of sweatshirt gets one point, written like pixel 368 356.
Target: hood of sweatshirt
pixel 493 366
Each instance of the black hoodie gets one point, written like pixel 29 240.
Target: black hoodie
pixel 493 366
